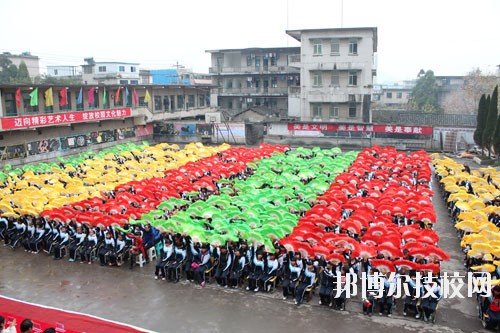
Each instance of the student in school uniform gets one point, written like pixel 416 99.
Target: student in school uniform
pixel 257 271
pixel 327 284
pixel 201 265
pixel 270 271
pixel 431 295
pixel 387 300
pixel 88 247
pixel 291 275
pixel 165 259
pixel 237 269
pixel 118 251
pixel 29 235
pixel 76 243
pixel 179 256
pixel 107 248
pixel 192 256
pixel 307 280
pixel 35 242
pixel 62 243
pixel 340 292
pixel 224 264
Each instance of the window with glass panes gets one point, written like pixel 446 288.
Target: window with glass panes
pixel 102 69
pixel 201 101
pixel 353 78
pixel 274 82
pixel 316 110
pixel 352 110
pixel 388 95
pixel 190 101
pixel 180 102
pixel 121 68
pixel 317 79
pixel 353 46
pixel 399 95
pixel 334 110
pixel 335 46
pixel 317 47
pixel 249 60
pixel 335 78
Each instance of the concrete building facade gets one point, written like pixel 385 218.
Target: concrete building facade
pixel 337 69
pixel 110 72
pixel 254 77
pixel 32 62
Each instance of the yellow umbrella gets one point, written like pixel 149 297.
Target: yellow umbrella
pixel 484 268
pixel 463 206
pixel 477 215
pixel 476 204
pixel 491 235
pixel 488 226
pixel 474 238
pixel 483 248
pixel 468 226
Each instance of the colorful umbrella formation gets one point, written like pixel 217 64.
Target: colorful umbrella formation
pixel 320 202
pixel 473 201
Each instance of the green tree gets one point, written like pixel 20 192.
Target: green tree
pixel 491 121
pixel 482 113
pixel 22 75
pixel 8 70
pixel 496 133
pixel 424 95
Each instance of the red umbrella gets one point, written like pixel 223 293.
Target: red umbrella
pixel 336 258
pixel 405 264
pixel 383 265
pixel 389 251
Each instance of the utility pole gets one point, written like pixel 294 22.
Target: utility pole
pixel 178 66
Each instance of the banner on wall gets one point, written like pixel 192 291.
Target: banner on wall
pixel 63 118
pixel 10 152
pixel 387 129
pixel 205 129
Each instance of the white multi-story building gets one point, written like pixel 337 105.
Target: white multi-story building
pixel 110 72
pixel 337 69
pixel 64 71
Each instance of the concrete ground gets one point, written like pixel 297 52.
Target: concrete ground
pixel 134 297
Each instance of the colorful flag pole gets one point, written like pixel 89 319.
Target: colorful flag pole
pixel 126 95
pixel 64 97
pixel 49 99
pixel 117 95
pixel 104 97
pixel 79 100
pixel 147 98
pixel 90 95
pixel 34 97
pixel 18 97
pixel 136 99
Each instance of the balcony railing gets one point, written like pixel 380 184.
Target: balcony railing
pixel 278 91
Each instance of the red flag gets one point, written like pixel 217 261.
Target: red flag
pixel 117 95
pixel 136 99
pixel 64 97
pixel 90 95
pixel 18 97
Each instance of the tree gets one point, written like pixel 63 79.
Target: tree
pixel 8 70
pixel 482 113
pixel 424 95
pixel 491 121
pixel 494 107
pixel 475 84
pixel 23 76
pixel 60 81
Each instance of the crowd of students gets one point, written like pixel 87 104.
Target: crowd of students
pixel 26 326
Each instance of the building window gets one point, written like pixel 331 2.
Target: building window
pixel 335 46
pixel 55 71
pixel 229 84
pixel 317 79
pixel 230 105
pixel 353 78
pixel 399 95
pixel 353 47
pixel 352 110
pixel 257 62
pixel 388 95
pixel 201 101
pixel 316 111
pixel 157 101
pixel 180 102
pixel 102 69
pixel 123 81
pixel 274 59
pixel 274 82
pixel 121 68
pixel 335 78
pixel 190 101
pixel 317 47
pixel 132 69
pixel 352 98
pixel 334 111
pixel 249 60
pixel 134 81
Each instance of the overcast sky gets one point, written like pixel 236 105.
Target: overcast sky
pixel 451 37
